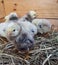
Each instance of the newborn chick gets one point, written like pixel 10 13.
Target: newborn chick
pixel 12 31
pixel 21 38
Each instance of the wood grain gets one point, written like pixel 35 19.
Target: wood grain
pixel 2 13
pixel 44 8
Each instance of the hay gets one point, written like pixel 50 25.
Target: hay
pixel 45 52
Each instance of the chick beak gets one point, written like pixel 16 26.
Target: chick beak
pixel 9 33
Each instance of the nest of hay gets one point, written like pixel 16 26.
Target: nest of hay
pixel 45 52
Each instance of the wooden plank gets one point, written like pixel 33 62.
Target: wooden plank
pixel 54 22
pixel 2 13
pixel 44 8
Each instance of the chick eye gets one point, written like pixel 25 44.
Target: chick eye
pixel 40 26
pixel 4 30
pixel 32 31
pixel 14 30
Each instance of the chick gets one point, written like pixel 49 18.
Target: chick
pixel 12 17
pixel 43 25
pixel 12 31
pixel 29 16
pixel 20 36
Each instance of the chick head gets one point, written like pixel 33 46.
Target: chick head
pixel 24 42
pixel 12 30
pixel 32 14
pixel 42 25
pixel 11 16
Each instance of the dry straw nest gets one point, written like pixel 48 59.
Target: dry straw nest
pixel 45 52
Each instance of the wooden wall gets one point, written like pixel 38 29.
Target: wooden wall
pixel 2 10
pixel 44 8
